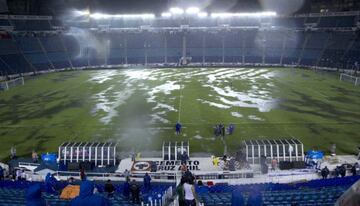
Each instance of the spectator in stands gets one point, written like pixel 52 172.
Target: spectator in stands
pixel 254 199
pixel 337 171
pixel 23 175
pixel 188 176
pixel 273 164
pixel 342 171
pixel 325 172
pixel 183 168
pixel 71 181
pixel 178 128
pixel 180 192
pixel 1 173
pixel 18 174
pixel 353 169
pixel 189 193
pixel 109 189
pixel 126 189
pixel 358 156
pixel 147 182
pixel 237 198
pixel 82 174
pixel 127 175
pixel 50 184
pixel 135 192
pixel 33 196
pixel 87 196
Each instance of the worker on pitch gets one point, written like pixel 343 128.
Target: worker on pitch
pixel 178 128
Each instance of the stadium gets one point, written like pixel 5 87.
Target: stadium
pixel 245 102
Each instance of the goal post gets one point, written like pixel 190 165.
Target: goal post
pixel 349 78
pixel 6 85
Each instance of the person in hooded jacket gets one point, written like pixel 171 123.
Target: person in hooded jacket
pixel 87 196
pixel 50 184
pixel 33 196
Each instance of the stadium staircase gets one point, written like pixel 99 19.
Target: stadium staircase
pixel 12 193
pixel 315 192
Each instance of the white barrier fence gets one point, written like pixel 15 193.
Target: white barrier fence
pixel 6 85
pixel 349 78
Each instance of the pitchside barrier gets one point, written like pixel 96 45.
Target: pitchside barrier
pixel 349 78
pixel 6 85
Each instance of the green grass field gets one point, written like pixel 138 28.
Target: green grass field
pixel 139 107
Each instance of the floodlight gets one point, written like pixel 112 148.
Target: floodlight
pixel 166 14
pixel 124 16
pixel 177 10
pixel 253 15
pixel 192 10
pixel 136 16
pixel 202 14
pixel 100 16
pixel 82 13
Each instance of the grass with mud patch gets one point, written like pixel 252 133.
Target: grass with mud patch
pixel 139 107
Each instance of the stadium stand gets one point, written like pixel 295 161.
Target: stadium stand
pixel 315 192
pixel 12 193
pixel 332 42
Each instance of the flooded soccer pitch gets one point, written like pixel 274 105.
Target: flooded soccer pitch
pixel 139 107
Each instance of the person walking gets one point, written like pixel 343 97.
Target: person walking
pixel 147 182
pixel 353 169
pixel 325 172
pixel 126 189
pixel 82 174
pixel 135 192
pixel 189 193
pixel 127 175
pixel 178 127
pixel 109 189
pixel 180 192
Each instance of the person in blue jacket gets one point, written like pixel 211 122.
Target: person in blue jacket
pixel 147 182
pixel 126 189
pixel 87 196
pixel 178 128
pixel 50 184
pixel 33 196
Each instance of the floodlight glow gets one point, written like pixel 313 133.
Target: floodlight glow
pixel 82 13
pixel 124 16
pixel 192 10
pixel 100 16
pixel 166 14
pixel 251 15
pixel 135 16
pixel 177 10
pixel 202 14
